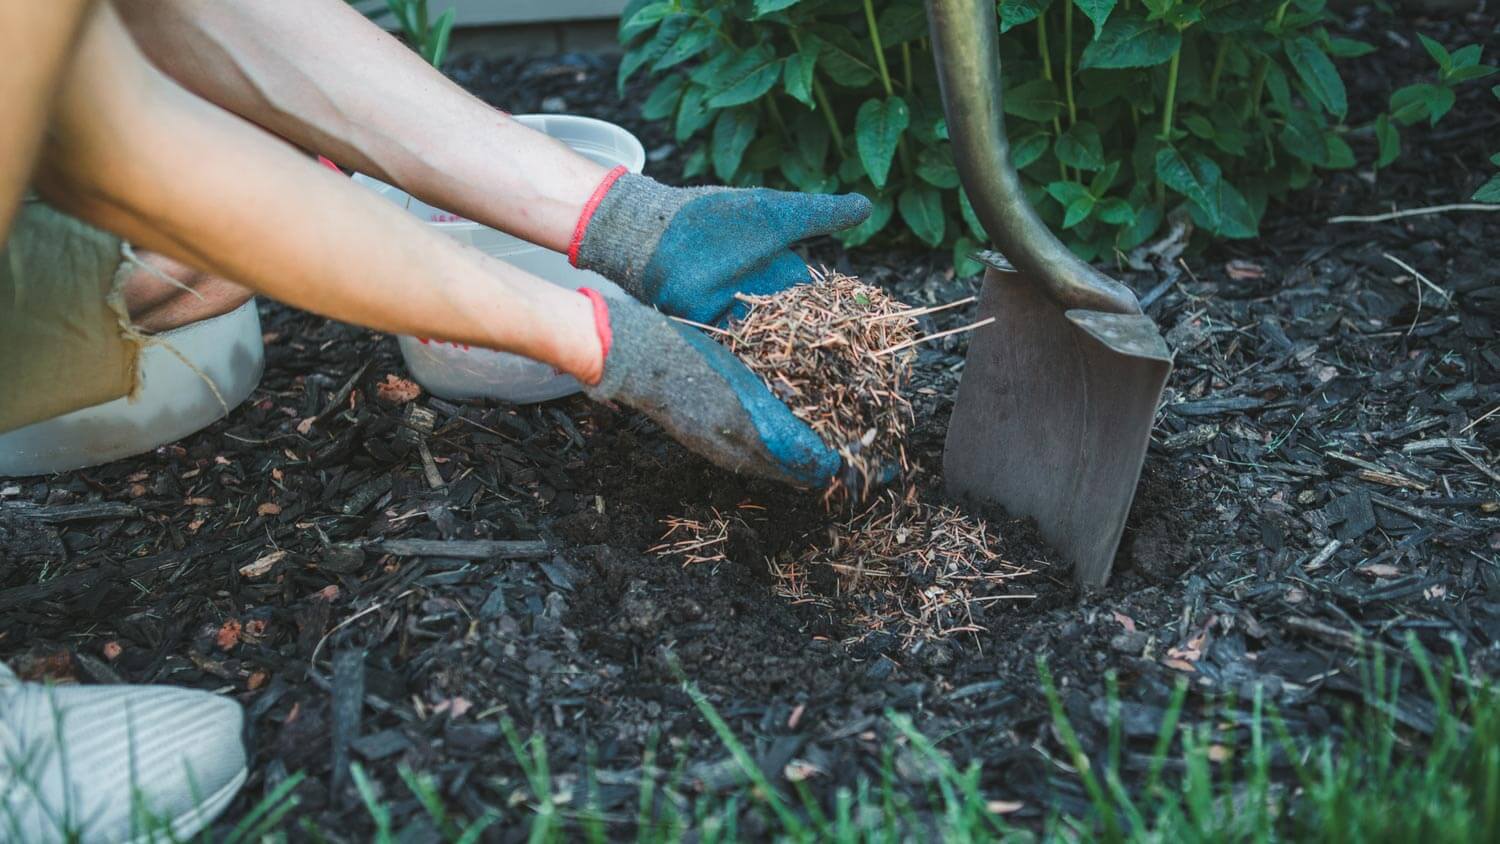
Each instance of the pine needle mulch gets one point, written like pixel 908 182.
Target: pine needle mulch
pixel 839 353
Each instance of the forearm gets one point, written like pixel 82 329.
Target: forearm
pixel 35 39
pixel 319 74
pixel 136 154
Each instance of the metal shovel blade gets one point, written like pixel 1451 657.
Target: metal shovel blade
pixel 1053 416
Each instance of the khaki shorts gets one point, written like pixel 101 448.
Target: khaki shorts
pixel 65 337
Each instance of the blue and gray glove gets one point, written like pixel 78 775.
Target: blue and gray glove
pixel 703 395
pixel 688 251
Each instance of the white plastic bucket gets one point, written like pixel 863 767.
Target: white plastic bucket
pixel 174 401
pixel 456 372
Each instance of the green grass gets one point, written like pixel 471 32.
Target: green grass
pixel 1258 781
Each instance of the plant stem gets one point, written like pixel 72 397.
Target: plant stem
pixel 1257 86
pixel 1068 61
pixel 1166 115
pixel 776 115
pixel 1041 47
pixel 906 64
pixel 1218 71
pixel 885 73
pixel 823 105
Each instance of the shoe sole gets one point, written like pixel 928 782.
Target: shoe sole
pixel 193 821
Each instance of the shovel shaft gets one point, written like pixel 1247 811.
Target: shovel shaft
pixel 965 44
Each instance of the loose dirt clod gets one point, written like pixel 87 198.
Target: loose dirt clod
pixel 822 349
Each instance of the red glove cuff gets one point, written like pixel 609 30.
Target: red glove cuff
pixel 601 320
pixel 588 212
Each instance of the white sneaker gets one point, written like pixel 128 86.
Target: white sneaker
pixel 91 763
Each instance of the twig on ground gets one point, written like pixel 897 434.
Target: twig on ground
pixel 1413 212
pixel 1447 297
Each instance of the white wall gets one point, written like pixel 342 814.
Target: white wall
pixel 488 12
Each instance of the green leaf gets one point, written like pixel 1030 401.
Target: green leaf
pixel 1200 126
pixel 1339 156
pixel 877 130
pixel 1317 72
pixel 1279 89
pixel 1026 151
pixel 1081 147
pixel 1036 100
pixel 1302 136
pixel 1388 139
pixel 1489 191
pixel 842 56
pixel 642 19
pixel 733 132
pixel 811 135
pixel 692 113
pixel 922 209
pixel 1130 41
pixel 665 37
pixel 880 214
pixel 935 166
pixel 807 179
pixel 1349 48
pixel 697 39
pixel 1098 12
pixel 1104 179
pixel 1422 100
pixel 1016 12
pixel 1464 74
pixel 1116 211
pixel 797 76
pixel 964 263
pixel 901 22
pixel 766 7
pixel 747 78
pixel 437 48
pixel 1438 52
pixel 1229 215
pixel 851 170
pixel 966 210
pixel 664 98
pixel 1240 15
pixel 1077 211
pixel 1175 172
pixel 1467 56
pixel 1066 193
pixel 1148 219
pixel 696 163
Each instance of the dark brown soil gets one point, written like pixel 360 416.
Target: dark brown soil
pixel 1303 360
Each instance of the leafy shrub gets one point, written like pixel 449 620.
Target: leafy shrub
pixel 1431 101
pixel 1120 112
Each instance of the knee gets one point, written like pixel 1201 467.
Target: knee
pixel 166 294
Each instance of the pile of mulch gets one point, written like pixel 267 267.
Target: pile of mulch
pixel 839 353
pixel 1322 484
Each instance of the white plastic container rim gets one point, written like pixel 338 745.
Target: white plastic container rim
pixel 456 372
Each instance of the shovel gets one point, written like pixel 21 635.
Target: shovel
pixel 1058 394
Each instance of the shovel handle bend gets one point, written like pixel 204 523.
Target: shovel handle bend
pixel 965 44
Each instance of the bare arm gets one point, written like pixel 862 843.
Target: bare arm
pixel 133 152
pixel 35 39
pixel 319 74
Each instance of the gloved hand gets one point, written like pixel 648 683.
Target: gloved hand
pixel 689 250
pixel 702 395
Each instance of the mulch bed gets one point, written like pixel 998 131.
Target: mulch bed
pixel 388 584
